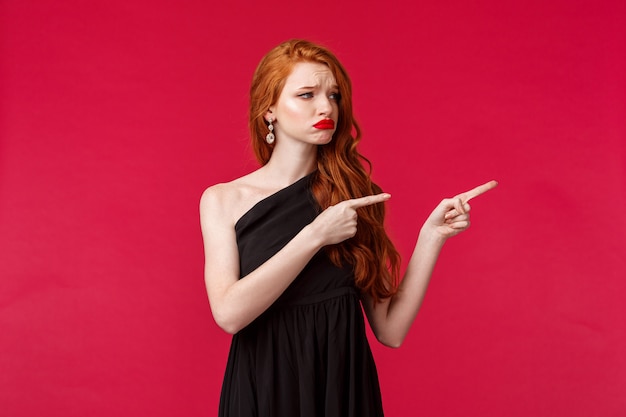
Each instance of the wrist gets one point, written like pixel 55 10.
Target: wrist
pixel 310 235
pixel 430 236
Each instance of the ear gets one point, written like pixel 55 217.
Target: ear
pixel 269 114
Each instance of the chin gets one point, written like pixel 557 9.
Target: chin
pixel 325 138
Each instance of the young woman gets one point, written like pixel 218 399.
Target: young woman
pixel 295 248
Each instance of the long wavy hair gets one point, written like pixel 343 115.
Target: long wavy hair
pixel 340 172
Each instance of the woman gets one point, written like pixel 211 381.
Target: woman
pixel 295 248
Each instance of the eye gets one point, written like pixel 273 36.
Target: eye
pixel 335 96
pixel 306 95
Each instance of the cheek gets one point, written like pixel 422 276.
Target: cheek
pixel 292 108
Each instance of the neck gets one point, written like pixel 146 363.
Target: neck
pixel 290 167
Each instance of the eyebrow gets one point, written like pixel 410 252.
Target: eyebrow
pixel 332 87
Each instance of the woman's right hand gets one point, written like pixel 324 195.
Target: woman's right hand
pixel 339 222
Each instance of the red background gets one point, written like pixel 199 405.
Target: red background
pixel 114 117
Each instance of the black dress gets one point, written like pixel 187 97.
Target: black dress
pixel 307 355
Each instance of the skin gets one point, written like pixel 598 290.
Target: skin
pixel 309 95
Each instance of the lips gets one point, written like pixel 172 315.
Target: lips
pixel 325 124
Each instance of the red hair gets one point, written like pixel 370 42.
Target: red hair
pixel 340 173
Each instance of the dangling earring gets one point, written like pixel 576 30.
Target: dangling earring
pixel 269 138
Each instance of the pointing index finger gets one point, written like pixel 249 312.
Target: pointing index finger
pixel 481 189
pixel 368 200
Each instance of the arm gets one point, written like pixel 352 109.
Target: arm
pixel 391 319
pixel 235 302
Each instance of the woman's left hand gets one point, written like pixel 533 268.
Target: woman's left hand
pixel 391 318
pixel 451 216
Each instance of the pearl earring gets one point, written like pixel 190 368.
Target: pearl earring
pixel 269 138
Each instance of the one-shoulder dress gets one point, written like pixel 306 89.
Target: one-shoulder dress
pixel 307 355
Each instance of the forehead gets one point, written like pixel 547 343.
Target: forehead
pixel 310 74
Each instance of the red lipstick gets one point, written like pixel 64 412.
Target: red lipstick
pixel 325 124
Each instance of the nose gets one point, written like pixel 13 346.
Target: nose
pixel 325 106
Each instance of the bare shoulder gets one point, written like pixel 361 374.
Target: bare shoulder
pixel 227 202
pixel 218 201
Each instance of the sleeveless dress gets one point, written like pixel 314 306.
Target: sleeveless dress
pixel 307 355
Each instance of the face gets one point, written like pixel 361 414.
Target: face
pixel 308 107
